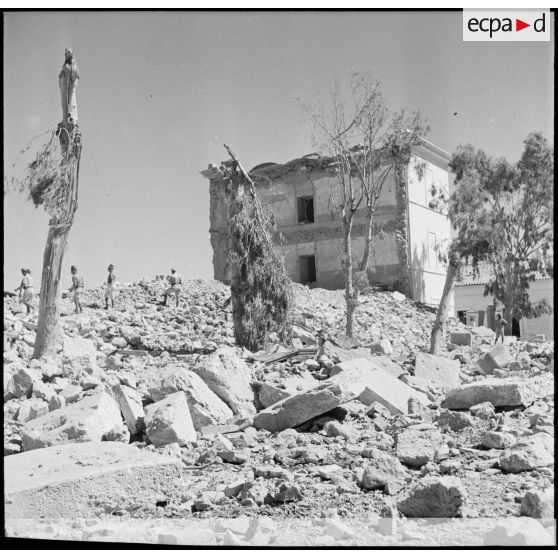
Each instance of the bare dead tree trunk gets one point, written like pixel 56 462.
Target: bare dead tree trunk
pixel 48 333
pixel 351 296
pixel 442 314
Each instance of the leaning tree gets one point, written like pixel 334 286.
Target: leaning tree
pixel 51 181
pixel 366 142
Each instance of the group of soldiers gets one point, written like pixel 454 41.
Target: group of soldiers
pixel 27 289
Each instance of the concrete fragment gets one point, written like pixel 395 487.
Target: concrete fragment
pixel 482 334
pixel 66 481
pixel 335 428
pixel 385 363
pixel 380 386
pixel 88 420
pixel 21 383
pixel 498 440
pixel 456 421
pixel 129 401
pixel 441 370
pixel 302 407
pixel 168 421
pixel 269 394
pixel 417 445
pixel 43 391
pixel 434 497
pixel 205 407
pixel 229 377
pixel 31 409
pixel 382 347
pixel 382 471
pixel 538 504
pixel 499 392
pixel 528 453
pixel 71 393
pixel 78 353
pixel 498 357
pixel 483 410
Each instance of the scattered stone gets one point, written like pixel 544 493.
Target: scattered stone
pixel 441 370
pixel 382 347
pixel 383 471
pixel 456 421
pixel 31 409
pixel 484 410
pixel 286 493
pixel 21 383
pixel 434 497
pixel 538 504
pixel 327 472
pixel 417 445
pixel 501 393
pixel 168 421
pixel 335 428
pixel 71 393
pixel 498 357
pixel 528 453
pixel 270 394
pixel 385 363
pixel 497 440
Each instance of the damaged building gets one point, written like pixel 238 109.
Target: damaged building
pixel 301 195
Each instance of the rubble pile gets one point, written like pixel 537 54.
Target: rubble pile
pixel 148 396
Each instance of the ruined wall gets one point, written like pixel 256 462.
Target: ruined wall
pixel 218 228
pixel 428 230
pixel 323 237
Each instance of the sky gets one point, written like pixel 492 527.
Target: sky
pixel 160 92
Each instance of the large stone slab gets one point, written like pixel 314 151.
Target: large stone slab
pixel 67 481
pixel 385 363
pixel 381 386
pixel 441 370
pixel 299 408
pixel 168 421
pixel 91 419
pixel 499 392
pixel 229 377
pixel 205 407
pixel 498 357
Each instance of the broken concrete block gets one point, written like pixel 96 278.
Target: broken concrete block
pixel 528 453
pixel 88 420
pixel 497 357
pixel 461 338
pixel 441 370
pixel 66 481
pixel 31 409
pixel 43 391
pixel 302 407
pixel 499 392
pixel 382 471
pixel 382 347
pixel 168 421
pixel 335 428
pixel 434 497
pixel 340 354
pixel 205 407
pixel 498 440
pixel 229 377
pixel 418 444
pixel 538 504
pixel 482 334
pixel 269 394
pixel 71 393
pixel 385 363
pixel 456 421
pixel 129 401
pixel 381 386
pixel 21 383
pixel 78 353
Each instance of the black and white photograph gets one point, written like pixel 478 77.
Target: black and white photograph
pixel 279 278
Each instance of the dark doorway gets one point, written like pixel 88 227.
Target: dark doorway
pixel 307 267
pixel 305 209
pixel 461 316
pixel 516 330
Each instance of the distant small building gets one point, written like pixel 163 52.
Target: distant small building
pixel 475 309
pixel 301 195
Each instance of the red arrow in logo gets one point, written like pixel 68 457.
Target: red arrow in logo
pixel 519 25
